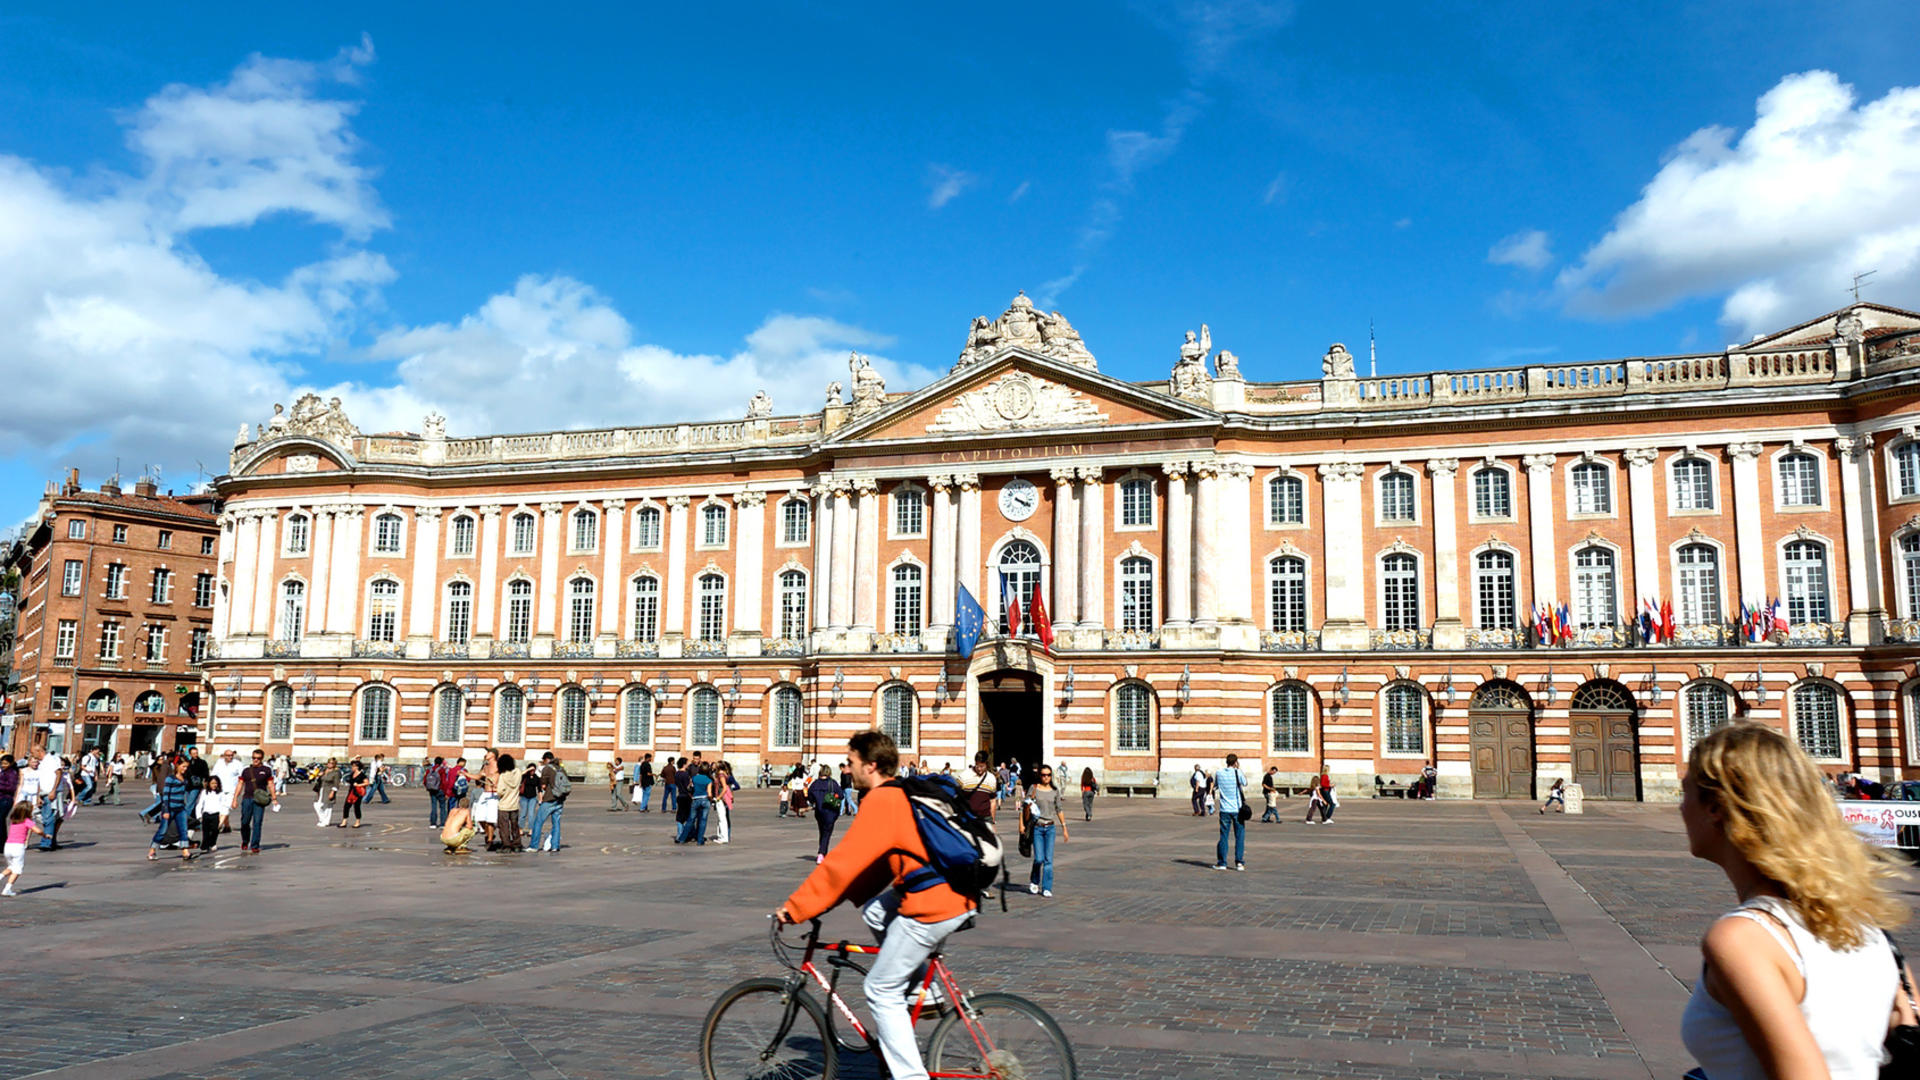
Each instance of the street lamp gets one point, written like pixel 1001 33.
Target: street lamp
pixel 1759 685
pixel 1450 690
pixel 1546 688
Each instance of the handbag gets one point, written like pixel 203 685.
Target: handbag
pixel 1026 844
pixel 262 795
pixel 1903 1041
pixel 1246 812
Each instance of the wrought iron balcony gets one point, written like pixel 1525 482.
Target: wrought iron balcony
pixel 451 650
pixel 1400 639
pixel 782 647
pixel 388 650
pixel 1132 639
pixel 630 649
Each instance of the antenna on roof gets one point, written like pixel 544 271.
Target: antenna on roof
pixel 1373 355
pixel 1858 280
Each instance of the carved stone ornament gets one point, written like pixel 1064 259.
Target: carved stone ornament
pixel 1021 326
pixel 1189 380
pixel 1538 462
pixel 1014 401
pixel 1705 670
pixel 1134 551
pixel 321 420
pixel 1402 671
pixel 1817 670
pixel 1499 671
pixel 1133 671
pixel 1287 547
pixel 1399 547
pixel 1850 328
pixel 1226 366
pixel 1695 535
pixel 759 405
pixel 1494 543
pixel 1290 672
pixel 1338 363
pixel 303 462
pixel 1600 670
pixel 1804 533
pixel 869 389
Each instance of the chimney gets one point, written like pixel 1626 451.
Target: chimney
pixel 145 487
pixel 73 483
pixel 110 486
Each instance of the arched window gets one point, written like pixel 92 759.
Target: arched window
pixel 459 612
pixel 1493 591
pixel 280 713
pixel 1500 696
pixel 1396 496
pixel 1708 708
pixel 103 701
pixel 449 710
pixel 299 526
pixel 906 599
pixel 1592 489
pixel 646 608
pixel 293 611
pixel 387 532
pixel 525 528
pixel 519 611
pixel 580 609
pixel 510 716
pixel 795 521
pixel 909 511
pixel 383 609
pixel 1136 593
pixel 586 530
pixel 636 717
pixel 1399 593
pixel 646 528
pixel 713 525
pixel 1406 709
pixel 1492 493
pixel 1692 484
pixel 1910 572
pixel 1132 718
pixel 1286 500
pixel 573 716
pixel 1602 695
pixel 896 714
pixel 1595 600
pixel 1906 469
pixel 1806 564
pixel 706 717
pixel 1136 501
pixel 1287 593
pixel 460 536
pixel 1020 569
pixel 1799 479
pixel 376 714
pixel 150 702
pixel 786 718
pixel 713 607
pixel 1816 720
pixel 1699 584
pixel 793 604
pixel 1291 727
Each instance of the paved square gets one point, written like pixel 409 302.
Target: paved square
pixel 1408 940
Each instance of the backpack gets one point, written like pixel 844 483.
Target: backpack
pixel 562 786
pixel 962 849
pixel 460 785
pixel 431 781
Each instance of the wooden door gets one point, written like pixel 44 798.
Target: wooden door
pixel 1584 736
pixel 1517 737
pixel 1489 781
pixel 1621 758
pixel 1502 747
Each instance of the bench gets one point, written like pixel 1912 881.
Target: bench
pixel 1388 789
pixel 1131 791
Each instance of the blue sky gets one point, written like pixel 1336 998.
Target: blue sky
pixel 639 213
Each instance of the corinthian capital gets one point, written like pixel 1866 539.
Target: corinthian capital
pixel 1641 457
pixel 1538 463
pixel 1744 451
pixel 1342 471
pixel 1443 466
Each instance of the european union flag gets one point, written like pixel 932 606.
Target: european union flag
pixel 968 620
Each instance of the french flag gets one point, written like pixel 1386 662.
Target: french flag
pixel 1010 596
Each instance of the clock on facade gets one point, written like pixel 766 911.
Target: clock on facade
pixel 1019 499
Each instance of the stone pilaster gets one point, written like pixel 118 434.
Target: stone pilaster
pixel 485 602
pixel 1543 562
pixel 1647 563
pixel 866 557
pixel 1345 626
pixel 1749 538
pixel 612 589
pixel 1449 631
pixel 1179 541
pixel 1065 611
pixel 1093 551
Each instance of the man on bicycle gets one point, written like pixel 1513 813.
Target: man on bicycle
pixel 870 866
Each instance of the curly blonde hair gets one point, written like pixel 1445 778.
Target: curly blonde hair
pixel 1780 816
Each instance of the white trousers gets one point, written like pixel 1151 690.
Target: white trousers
pixel 905 945
pixel 722 821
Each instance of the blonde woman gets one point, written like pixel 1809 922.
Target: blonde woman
pixel 1798 981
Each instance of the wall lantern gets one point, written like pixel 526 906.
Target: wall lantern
pixel 839 686
pixel 1066 685
pixel 1759 685
pixel 1345 693
pixel 1186 683
pixel 1547 691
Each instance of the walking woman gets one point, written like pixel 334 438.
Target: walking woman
pixel 1317 799
pixel 326 788
pixel 173 811
pixel 1799 980
pixel 1042 817
pixel 1089 787
pixel 826 796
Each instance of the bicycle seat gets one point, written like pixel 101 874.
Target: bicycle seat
pixel 965 926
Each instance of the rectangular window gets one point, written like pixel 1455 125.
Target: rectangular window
pixel 1816 721
pixel 376 714
pixel 793 521
pixel 203 590
pixel 198 645
pixel 636 720
pixel 510 716
pixel 1807 583
pixel 76 529
pixel 162 587
pixel 280 714
pixel 1405 728
pixel 906 600
pixel 1494 591
pixel 297 535
pixel 520 612
pixel 1400 594
pixel 786 719
pixel 1136 502
pixel 116 582
pixel 523 533
pixel 60 699
pixel 1136 594
pixel 793 605
pixel 1133 719
pixel 1287 594
pixel 449 709
pixel 383 610
pixel 646 529
pixel 909 512
pixel 706 718
pixel 713 525
pixel 70 577
pixel 1492 495
pixel 110 641
pixel 65 639
pixel 459 617
pixel 586 530
pixel 646 608
pixel 166 540
pixel 386 534
pixel 461 542
pixel 1396 497
pixel 1289 720
pixel 206 545
pixel 119 534
pixel 713 608
pixel 1594 598
pixel 1692 484
pixel 1699 585
pixel 580 611
pixel 1592 491
pixel 1286 501
pixel 1800 480
pixel 156 644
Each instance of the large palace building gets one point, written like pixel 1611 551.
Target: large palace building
pixel 1368 572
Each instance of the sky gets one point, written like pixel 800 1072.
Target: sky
pixel 616 215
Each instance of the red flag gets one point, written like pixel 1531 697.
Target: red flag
pixel 1037 615
pixel 1668 630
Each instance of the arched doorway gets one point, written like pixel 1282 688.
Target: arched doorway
pixel 1500 727
pixel 1605 741
pixel 1010 716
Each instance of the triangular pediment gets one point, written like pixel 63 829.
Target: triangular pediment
pixel 1018 393
pixel 1862 321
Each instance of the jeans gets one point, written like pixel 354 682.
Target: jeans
pixel 437 807
pixel 1042 857
pixel 666 800
pixel 646 796
pixel 527 806
pixel 1273 810
pixel 253 820
pixel 50 821
pixel 546 814
pixel 697 821
pixel 1230 824
pixel 170 820
pixel 85 793
pixel 380 787
pixel 905 945
pixel 1086 803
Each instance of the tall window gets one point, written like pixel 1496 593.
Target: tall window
pixel 383 609
pixel 1287 593
pixel 449 709
pixel 65 638
pixel 293 610
pixel 1799 480
pixel 110 641
pixel 387 530
pixel 71 577
pixel 1906 468
pixel 1493 591
pixel 573 716
pixel 116 582
pixel 297 528
pixel 713 525
pixel 510 715
pixel 1594 602
pixel 906 599
pixel 1492 493
pixel 1910 572
pixel 646 528
pixel 280 713
pixel 156 644
pixel 460 538
pixel 1290 729
pixel 203 590
pixel 706 717
pixel 1136 501
pixel 1692 484
pixel 713 607
pixel 786 718
pixel 1286 501
pixel 1399 593
pixel 1699 584
pixel 793 604
pixel 580 609
pixel 909 511
pixel 166 539
pixel 586 530
pixel 459 612
pixel 1396 496
pixel 1019 568
pixel 896 714
pixel 1592 489
pixel 794 517
pixel 1136 593
pixel 1816 719
pixel 646 608
pixel 376 714
pixel 1706 706
pixel 162 586
pixel 519 611
pixel 524 530
pixel 1807 582
pixel 197 646
pixel 636 717
pixel 76 529
pixel 206 545
pixel 1406 719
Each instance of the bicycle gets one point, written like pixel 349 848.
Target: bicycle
pixel 767 1028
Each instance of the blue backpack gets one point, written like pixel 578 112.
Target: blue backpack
pixel 962 848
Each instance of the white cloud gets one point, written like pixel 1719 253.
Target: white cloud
pixel 945 183
pixel 1276 190
pixel 1209 30
pixel 1020 192
pixel 1776 218
pixel 1528 249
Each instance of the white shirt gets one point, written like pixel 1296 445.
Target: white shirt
pixel 216 802
pixel 228 772
pixel 49 777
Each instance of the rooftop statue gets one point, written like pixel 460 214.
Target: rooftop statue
pixel 869 389
pixel 1023 326
pixel 1190 380
pixel 759 405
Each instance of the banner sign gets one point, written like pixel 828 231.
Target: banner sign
pixel 1883 823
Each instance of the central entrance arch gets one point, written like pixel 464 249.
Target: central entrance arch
pixel 1500 725
pixel 1010 720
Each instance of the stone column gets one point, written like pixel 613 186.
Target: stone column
pixel 489 587
pixel 967 539
pixel 673 615
pixel 1865 618
pixel 822 556
pixel 1233 542
pixel 1206 544
pixel 1179 526
pixel 1749 540
pixel 866 557
pixel 321 584
pixel 343 598
pixel 1449 630
pixel 1065 611
pixel 1543 564
pixel 551 520
pixel 612 589
pixel 1646 542
pixel 749 558
pixel 222 557
pixel 426 572
pixel 1345 625
pixel 267 551
pixel 246 559
pixel 1093 551
pixel 941 574
pixel 840 614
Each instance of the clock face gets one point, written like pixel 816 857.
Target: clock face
pixel 1018 500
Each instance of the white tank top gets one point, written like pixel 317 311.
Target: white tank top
pixel 1849 997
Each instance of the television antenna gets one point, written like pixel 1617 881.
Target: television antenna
pixel 1860 279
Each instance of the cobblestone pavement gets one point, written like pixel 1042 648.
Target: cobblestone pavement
pixel 1409 940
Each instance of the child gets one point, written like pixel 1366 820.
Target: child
pixel 215 803
pixel 20 825
pixel 1558 794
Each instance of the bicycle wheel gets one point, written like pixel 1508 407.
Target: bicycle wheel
pixel 1009 1038
pixel 760 1031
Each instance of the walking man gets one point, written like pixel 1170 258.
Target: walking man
pixel 668 789
pixel 380 777
pixel 552 800
pixel 1230 786
pixel 1270 791
pixel 52 770
pixel 621 785
pixel 643 779
pixel 228 770
pixel 980 788
pixel 1198 782
pixel 256 795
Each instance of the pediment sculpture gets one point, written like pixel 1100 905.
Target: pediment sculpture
pixel 1190 380
pixel 1015 401
pixel 869 389
pixel 1023 326
pixel 309 417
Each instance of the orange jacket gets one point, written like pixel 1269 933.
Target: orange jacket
pixel 880 849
